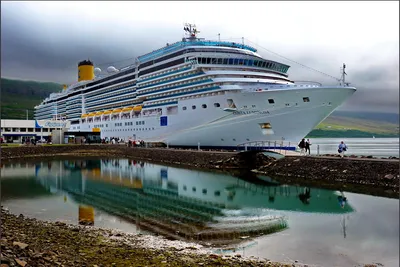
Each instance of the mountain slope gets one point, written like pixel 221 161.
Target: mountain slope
pixel 358 124
pixel 19 96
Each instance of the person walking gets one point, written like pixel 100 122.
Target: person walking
pixel 302 146
pixel 307 146
pixel 342 148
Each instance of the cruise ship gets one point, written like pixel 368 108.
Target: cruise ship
pixel 195 91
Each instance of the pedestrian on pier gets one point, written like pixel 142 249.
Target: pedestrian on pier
pixel 307 147
pixel 302 146
pixel 342 148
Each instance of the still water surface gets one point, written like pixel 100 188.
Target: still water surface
pixel 263 219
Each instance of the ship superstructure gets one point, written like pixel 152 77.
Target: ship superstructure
pixel 215 93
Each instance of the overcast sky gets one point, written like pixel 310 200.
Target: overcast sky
pixel 44 41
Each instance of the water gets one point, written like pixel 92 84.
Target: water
pixel 377 147
pixel 263 219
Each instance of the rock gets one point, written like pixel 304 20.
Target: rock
pixel 389 176
pixel 21 262
pixel 21 245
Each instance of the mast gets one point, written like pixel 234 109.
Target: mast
pixel 191 31
pixel 343 78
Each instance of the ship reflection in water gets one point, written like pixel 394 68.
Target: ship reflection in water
pixel 177 203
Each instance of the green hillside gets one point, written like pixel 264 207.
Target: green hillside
pixel 349 126
pixel 18 96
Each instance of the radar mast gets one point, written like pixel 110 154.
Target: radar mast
pixel 190 31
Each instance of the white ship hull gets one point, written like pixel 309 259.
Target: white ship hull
pixel 290 118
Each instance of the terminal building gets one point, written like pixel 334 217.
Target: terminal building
pixel 20 131
pixel 17 131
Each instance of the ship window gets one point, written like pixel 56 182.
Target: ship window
pixel 217 193
pixel 217 105
pixel 329 103
pixel 193 107
pixel 184 108
pixel 271 101
pixel 184 187
pixel 204 106
pixel 306 99
pixel 225 61
pixel 253 106
pixel 194 189
pixel 204 191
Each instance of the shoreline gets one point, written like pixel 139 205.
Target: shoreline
pixel 31 242
pixel 378 177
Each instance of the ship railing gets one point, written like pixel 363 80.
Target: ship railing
pixel 178 45
pixel 307 83
pixel 285 86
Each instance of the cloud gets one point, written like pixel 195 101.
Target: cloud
pixel 45 40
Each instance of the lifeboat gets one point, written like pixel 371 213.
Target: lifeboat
pixel 99 113
pixel 117 110
pixel 91 114
pixel 127 109
pixel 107 112
pixel 84 116
pixel 137 108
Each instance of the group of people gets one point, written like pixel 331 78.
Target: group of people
pixel 136 143
pixel 304 146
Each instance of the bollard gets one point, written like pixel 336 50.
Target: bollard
pixel 317 150
pixel 198 146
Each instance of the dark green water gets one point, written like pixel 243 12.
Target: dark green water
pixel 281 222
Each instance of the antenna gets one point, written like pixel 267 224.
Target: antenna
pixel 191 30
pixel 343 79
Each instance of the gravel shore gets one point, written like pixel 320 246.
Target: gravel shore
pixel 29 242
